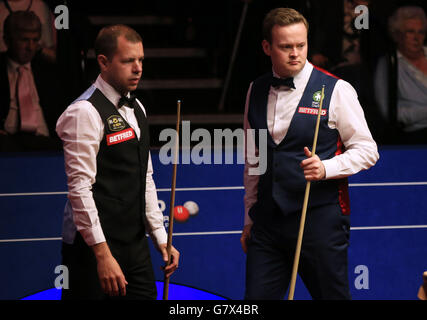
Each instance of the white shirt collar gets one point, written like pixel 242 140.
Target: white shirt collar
pixel 302 77
pixel 400 55
pixel 112 94
pixel 13 65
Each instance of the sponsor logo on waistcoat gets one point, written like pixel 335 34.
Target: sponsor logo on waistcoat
pixel 116 123
pixel 121 136
pixel 314 109
pixel 317 96
pixel 308 110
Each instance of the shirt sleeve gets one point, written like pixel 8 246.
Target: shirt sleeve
pixel 154 216
pixel 250 181
pixel 80 128
pixel 346 115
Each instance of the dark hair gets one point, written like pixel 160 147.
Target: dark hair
pixel 281 17
pixel 106 41
pixel 21 21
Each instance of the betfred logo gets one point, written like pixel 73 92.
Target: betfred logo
pixel 120 136
pixel 308 110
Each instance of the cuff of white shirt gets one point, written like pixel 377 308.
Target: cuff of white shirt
pixel 93 235
pixel 331 168
pixel 159 236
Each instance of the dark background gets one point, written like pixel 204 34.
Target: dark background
pixel 211 26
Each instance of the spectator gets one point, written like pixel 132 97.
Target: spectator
pixel 404 100
pixel 29 103
pixel 40 8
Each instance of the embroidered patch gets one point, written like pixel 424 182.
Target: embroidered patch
pixel 121 136
pixel 317 96
pixel 308 110
pixel 116 123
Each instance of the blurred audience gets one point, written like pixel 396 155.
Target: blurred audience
pixel 349 45
pixel 401 79
pixel 397 99
pixel 337 40
pixel 347 50
pixel 41 9
pixel 30 99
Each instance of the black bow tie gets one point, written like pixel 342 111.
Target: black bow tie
pixel 129 102
pixel 277 82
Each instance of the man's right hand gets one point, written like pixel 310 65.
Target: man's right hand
pixel 110 274
pixel 246 235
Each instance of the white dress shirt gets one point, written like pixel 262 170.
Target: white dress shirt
pixel 81 129
pixel 345 114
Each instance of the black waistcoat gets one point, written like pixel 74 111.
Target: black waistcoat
pixel 284 183
pixel 119 190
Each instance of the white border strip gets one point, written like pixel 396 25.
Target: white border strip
pixel 210 233
pixel 421 226
pixel 375 184
pixel 388 184
pixel 31 239
pixel 204 188
pixel 32 194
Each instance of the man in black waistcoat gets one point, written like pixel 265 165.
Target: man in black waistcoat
pixel 112 196
pixel 284 104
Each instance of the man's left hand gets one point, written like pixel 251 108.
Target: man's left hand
pixel 313 167
pixel 169 269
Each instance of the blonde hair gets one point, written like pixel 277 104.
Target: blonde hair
pixel 404 13
pixel 281 17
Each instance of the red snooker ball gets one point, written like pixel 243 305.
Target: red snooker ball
pixel 181 213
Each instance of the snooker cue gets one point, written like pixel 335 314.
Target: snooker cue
pixel 172 203
pixel 304 207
